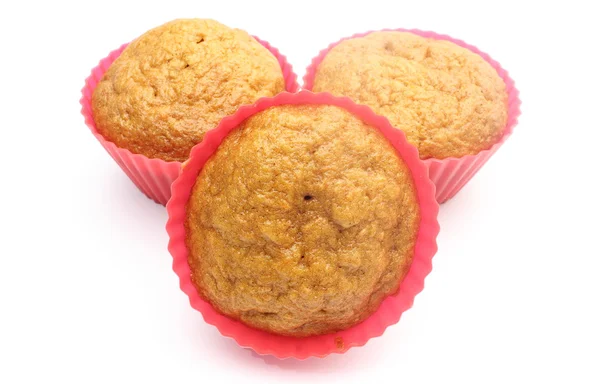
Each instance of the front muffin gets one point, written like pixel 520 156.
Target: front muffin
pixel 302 222
pixel 448 100
pixel 177 81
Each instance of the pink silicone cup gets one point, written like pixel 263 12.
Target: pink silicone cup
pixel 301 348
pixel 152 176
pixel 451 174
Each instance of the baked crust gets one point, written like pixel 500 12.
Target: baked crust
pixel 177 81
pixel 448 100
pixel 302 222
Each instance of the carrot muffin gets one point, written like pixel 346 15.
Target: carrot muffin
pixel 302 222
pixel 448 100
pixel 177 81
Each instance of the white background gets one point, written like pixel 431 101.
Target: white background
pixel 87 294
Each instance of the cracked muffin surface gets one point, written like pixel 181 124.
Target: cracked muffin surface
pixel 302 222
pixel 177 81
pixel 448 100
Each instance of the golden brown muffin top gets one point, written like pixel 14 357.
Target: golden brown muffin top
pixel 177 81
pixel 448 100
pixel 302 222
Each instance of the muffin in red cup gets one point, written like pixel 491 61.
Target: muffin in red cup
pixel 302 225
pixel 150 101
pixel 454 103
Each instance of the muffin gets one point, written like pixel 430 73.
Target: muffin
pixel 177 81
pixel 302 222
pixel 448 100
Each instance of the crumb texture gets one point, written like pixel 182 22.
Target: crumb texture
pixel 179 80
pixel 302 222
pixel 448 100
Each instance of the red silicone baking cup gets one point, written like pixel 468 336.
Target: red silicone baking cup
pixel 389 312
pixel 450 174
pixel 152 176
